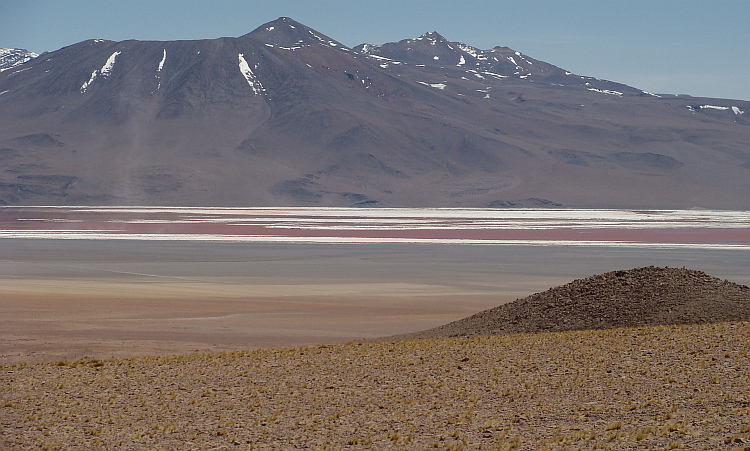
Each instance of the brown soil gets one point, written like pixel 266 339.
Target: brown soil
pixel 632 298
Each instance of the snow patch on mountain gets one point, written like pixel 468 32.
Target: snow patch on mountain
pixel 104 71
pixel 161 63
pixel 605 91
pixel 86 85
pixel 492 74
pixel 735 109
pixel 109 65
pixel 474 73
pixel 159 69
pixel 252 80
pixel 378 57
pixel 433 85
pixel 322 41
pixel 296 47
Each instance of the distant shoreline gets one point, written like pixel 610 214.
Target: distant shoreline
pixel 710 229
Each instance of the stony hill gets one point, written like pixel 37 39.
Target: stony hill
pixel 637 297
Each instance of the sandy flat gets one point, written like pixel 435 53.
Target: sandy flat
pixel 63 300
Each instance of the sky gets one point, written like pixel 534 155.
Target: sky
pixel 694 47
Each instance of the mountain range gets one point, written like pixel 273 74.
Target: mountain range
pixel 286 115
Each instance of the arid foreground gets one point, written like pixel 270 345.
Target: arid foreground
pixel 658 387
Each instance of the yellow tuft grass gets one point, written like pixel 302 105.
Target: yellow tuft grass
pixel 669 387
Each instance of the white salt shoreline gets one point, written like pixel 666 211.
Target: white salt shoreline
pixel 704 229
pixel 95 235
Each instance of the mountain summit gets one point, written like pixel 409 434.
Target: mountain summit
pixel 286 32
pixel 286 115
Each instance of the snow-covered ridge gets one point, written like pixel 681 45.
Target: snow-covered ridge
pixel 328 42
pixel 473 51
pixel 368 48
pixel 104 71
pixel 518 54
pixel 10 58
pixel 472 60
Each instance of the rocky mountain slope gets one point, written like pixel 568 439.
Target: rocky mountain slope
pixel 286 115
pixel 631 298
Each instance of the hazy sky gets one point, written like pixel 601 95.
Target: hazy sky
pixel 696 47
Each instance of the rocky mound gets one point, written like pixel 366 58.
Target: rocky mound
pixel 631 298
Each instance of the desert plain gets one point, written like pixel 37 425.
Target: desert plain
pixel 72 299
pixel 190 344
pixel 117 282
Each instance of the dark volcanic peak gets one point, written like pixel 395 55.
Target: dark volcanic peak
pixel 288 33
pixel 631 298
pixel 285 115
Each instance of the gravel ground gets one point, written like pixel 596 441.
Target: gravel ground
pixel 656 387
